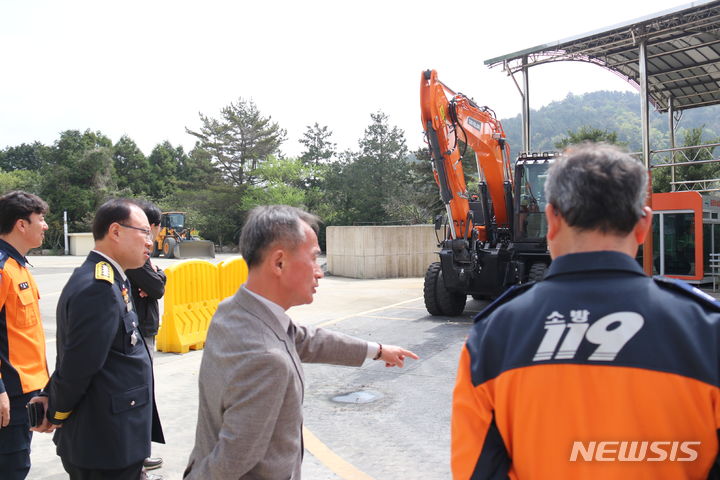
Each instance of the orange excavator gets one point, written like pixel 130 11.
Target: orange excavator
pixel 494 237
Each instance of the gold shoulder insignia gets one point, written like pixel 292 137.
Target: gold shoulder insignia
pixel 103 271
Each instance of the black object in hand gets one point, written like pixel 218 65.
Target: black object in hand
pixel 36 413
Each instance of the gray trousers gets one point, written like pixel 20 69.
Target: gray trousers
pixel 150 342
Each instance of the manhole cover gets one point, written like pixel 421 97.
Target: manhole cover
pixel 361 396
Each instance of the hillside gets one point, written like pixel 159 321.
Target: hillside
pixel 617 112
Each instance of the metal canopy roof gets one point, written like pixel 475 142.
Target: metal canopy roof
pixel 683 54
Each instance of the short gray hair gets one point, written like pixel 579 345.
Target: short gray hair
pixel 597 187
pixel 270 224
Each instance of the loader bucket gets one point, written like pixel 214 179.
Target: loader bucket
pixel 195 249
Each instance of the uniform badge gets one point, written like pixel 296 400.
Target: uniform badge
pixel 126 297
pixel 24 285
pixel 103 271
pixel 133 338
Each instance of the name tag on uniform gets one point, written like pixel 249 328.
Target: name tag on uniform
pixel 24 285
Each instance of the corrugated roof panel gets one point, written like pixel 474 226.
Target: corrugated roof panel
pixel 683 54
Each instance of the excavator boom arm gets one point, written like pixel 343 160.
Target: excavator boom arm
pixel 449 118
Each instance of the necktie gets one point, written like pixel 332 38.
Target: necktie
pixel 291 331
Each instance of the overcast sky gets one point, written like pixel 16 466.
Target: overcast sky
pixel 147 68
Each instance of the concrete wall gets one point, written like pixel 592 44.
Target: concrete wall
pixel 81 243
pixel 381 252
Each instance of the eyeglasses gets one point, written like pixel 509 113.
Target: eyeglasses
pixel 147 232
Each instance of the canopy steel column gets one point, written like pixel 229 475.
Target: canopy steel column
pixel 671 130
pixel 524 91
pixel 645 120
pixel 526 106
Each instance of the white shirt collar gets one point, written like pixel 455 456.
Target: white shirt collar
pixel 114 264
pixel 276 309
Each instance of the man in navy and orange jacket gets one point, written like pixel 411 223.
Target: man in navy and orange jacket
pixel 23 367
pixel 598 371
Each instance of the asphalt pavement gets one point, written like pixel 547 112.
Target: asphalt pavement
pixel 363 423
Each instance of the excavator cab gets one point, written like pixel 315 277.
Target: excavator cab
pixel 530 202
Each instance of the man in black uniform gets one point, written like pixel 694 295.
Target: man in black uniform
pixel 101 392
pixel 148 286
pixel 598 371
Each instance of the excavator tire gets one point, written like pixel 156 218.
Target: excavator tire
pixel 431 278
pixel 537 272
pixel 169 248
pixel 438 299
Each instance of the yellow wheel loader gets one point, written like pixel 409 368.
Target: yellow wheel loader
pixel 175 240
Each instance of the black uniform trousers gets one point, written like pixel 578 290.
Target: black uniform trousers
pixel 15 465
pixel 133 472
pixel 15 441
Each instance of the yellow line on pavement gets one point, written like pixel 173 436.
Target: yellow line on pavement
pixel 336 320
pixel 330 459
pixel 387 318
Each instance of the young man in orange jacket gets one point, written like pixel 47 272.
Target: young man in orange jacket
pixel 23 366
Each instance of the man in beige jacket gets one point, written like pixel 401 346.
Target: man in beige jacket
pixel 251 377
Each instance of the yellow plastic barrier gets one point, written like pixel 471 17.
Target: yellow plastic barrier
pixel 192 294
pixel 233 273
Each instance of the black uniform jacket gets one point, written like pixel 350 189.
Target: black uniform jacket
pixel 152 283
pixel 102 388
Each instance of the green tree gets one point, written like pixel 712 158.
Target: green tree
pixel 98 164
pixel 282 181
pixel 77 178
pixel 27 180
pixel 418 200
pixel 72 144
pixel 196 168
pixel 661 177
pixel 587 134
pixel 213 210
pixel 425 193
pixel 362 183
pixel 319 152
pixel 24 157
pixel 164 164
pixel 318 147
pixel 131 166
pixel 239 141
